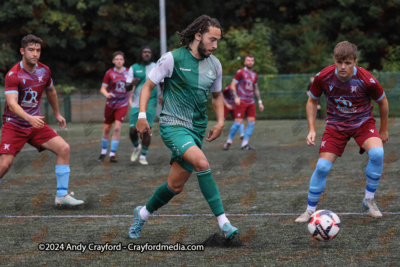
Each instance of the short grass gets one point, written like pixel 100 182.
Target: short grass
pixel 263 190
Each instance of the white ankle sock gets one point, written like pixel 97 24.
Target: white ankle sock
pixel 311 208
pixel 222 220
pixel 144 213
pixel 369 194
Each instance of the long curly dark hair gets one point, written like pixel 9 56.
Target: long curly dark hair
pixel 200 25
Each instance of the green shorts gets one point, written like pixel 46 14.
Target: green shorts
pixel 150 115
pixel 178 139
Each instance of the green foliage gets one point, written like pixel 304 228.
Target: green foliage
pixel 392 60
pixel 240 42
pixel 298 37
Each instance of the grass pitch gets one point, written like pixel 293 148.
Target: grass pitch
pixel 263 191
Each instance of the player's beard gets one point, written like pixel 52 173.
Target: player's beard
pixel 202 50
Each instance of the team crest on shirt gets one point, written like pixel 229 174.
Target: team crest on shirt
pixel 354 89
pixel 372 80
pixel 211 74
pixel 40 78
pixel 330 87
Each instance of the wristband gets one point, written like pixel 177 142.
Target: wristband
pixel 142 115
pixel 260 101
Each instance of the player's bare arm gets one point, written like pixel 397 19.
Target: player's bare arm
pixel 257 92
pixel 311 116
pixel 384 114
pixel 103 91
pixel 12 100
pixel 160 97
pixel 218 105
pixel 142 124
pixel 234 91
pixel 51 94
pixel 130 101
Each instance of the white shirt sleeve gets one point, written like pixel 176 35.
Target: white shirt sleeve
pixel 130 77
pixel 163 69
pixel 217 84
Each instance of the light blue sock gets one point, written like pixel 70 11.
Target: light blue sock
pixel 104 143
pixel 114 145
pixel 241 129
pixel 234 129
pixel 249 130
pixel 62 174
pixel 374 168
pixel 318 181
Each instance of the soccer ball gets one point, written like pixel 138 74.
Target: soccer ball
pixel 324 225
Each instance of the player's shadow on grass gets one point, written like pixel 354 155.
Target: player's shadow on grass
pixel 217 240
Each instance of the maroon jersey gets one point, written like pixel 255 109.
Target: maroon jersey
pixel 246 80
pixel 115 82
pixel 348 103
pixel 228 95
pixel 29 86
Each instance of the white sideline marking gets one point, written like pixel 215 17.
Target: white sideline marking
pixel 181 215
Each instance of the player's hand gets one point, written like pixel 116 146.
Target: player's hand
pixel 237 101
pixel 229 107
pixel 110 95
pixel 261 107
pixel 384 136
pixel 143 126
pixel 36 121
pixel 311 138
pixel 215 132
pixel 135 80
pixel 61 121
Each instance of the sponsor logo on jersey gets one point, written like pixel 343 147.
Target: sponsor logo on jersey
pixel 345 106
pixel 29 99
pixel 182 69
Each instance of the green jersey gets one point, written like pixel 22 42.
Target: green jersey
pixel 187 81
pixel 141 72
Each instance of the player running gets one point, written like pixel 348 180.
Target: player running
pixel 229 107
pixel 113 88
pixel 23 122
pixel 189 73
pixel 138 74
pixel 244 86
pixel 349 90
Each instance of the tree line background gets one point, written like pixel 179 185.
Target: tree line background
pixel 285 36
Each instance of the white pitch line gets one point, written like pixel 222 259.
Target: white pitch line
pixel 180 215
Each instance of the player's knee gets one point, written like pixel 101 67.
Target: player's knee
pixel 202 165
pixel 64 149
pixel 5 165
pixel 176 188
pixel 376 155
pixel 323 167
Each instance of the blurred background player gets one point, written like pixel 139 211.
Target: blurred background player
pixel 113 88
pixel 23 122
pixel 244 86
pixel 138 74
pixel 349 90
pixel 319 111
pixel 229 107
pixel 190 72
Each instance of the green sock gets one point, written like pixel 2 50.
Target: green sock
pixel 210 191
pixel 161 197
pixel 144 150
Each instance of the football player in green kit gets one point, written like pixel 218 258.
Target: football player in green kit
pixel 189 73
